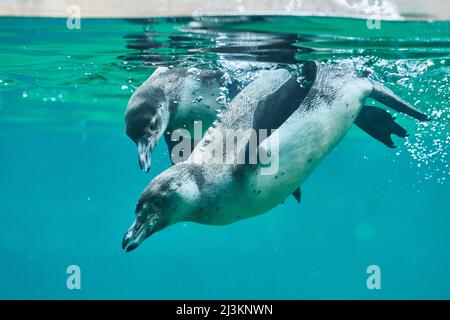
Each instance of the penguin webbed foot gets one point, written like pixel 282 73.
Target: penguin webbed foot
pixel 380 124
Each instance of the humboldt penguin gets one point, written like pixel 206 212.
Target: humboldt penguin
pixel 309 121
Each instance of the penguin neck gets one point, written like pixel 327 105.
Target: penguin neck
pixel 188 189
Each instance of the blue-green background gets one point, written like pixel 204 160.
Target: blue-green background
pixel 69 180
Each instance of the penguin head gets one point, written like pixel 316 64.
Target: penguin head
pixel 170 198
pixel 146 119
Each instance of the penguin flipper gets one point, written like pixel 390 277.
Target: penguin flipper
pixel 297 194
pixel 279 105
pixel 380 124
pixel 388 98
pixel 170 145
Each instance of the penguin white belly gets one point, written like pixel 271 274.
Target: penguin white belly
pixel 304 140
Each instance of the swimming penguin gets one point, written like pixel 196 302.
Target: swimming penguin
pixel 220 194
pixel 171 187
pixel 173 98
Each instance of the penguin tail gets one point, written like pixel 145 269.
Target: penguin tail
pixel 389 99
pixel 380 124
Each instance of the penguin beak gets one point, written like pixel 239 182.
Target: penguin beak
pixel 145 148
pixel 140 230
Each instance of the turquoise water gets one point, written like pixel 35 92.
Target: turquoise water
pixel 69 178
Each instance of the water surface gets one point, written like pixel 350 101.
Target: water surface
pixel 69 177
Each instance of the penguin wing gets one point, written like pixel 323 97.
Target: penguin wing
pixel 273 111
pixel 170 145
pixel 278 106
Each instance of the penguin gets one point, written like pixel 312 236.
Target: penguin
pixel 174 98
pixel 308 123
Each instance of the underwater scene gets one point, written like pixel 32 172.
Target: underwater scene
pixel 86 170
